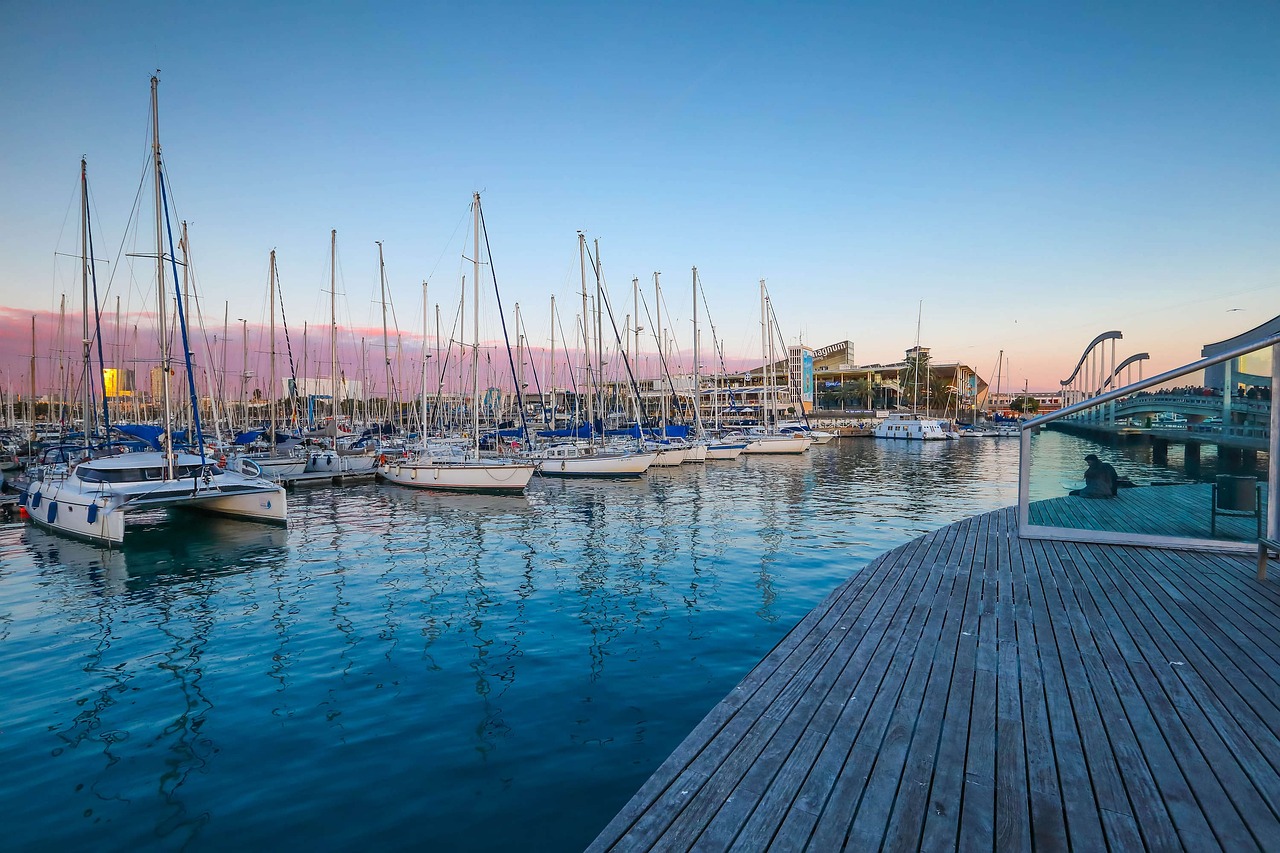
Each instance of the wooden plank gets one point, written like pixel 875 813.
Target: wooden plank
pixel 1064 720
pixel 977 691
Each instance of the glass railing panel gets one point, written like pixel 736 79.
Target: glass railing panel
pixel 1190 462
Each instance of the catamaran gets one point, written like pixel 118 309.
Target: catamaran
pixel 91 498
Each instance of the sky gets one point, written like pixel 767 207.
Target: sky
pixel 1013 177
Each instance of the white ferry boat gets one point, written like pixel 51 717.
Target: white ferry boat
pixel 911 428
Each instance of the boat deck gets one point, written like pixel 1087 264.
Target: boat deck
pixel 977 691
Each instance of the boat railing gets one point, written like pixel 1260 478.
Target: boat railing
pixel 1190 463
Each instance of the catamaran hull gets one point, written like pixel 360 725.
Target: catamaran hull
pixel 68 512
pixel 778 444
pixel 460 477
pixel 101 518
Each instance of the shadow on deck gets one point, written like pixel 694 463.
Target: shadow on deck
pixel 971 689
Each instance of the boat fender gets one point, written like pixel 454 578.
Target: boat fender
pixel 562 464
pixel 53 511
pixel 382 460
pixel 222 461
pixel 91 514
pixel 35 501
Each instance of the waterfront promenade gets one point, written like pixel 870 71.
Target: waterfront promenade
pixel 973 690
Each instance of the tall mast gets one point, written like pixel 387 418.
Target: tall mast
pixel 551 381
pixel 271 380
pixel 599 271
pixel 662 348
pixel 161 301
pixel 189 422
pixel 519 358
pixel 766 371
pixel 334 390
pixel 426 320
pixel 386 352
pixel 31 377
pixel 475 319
pixel 84 276
pixel 697 388
pixel 635 353
pixel 118 364
pixel 586 338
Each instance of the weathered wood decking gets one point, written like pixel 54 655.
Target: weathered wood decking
pixel 1176 510
pixel 973 690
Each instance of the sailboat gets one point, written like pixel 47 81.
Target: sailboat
pixel 90 499
pixel 588 458
pixel 275 465
pixel 766 439
pixel 336 459
pixel 449 466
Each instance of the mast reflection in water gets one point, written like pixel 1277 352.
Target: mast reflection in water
pixel 406 670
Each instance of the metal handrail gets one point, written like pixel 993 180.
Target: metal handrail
pixel 1113 537
pixel 1158 379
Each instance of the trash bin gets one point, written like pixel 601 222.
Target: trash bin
pixel 1237 494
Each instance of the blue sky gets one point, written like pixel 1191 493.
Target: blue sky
pixel 1035 173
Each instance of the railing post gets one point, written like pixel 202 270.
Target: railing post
pixel 1273 464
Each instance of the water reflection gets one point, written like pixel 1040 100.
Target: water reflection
pixel 487 667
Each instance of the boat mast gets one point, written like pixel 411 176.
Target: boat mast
pixel 84 276
pixel 426 321
pixel 336 395
pixel 599 387
pixel 586 338
pixel 475 321
pixel 766 369
pixel 271 375
pixel 697 389
pixel 552 371
pixel 662 348
pixel 386 351
pixel 161 301
pixel 189 421
pixel 31 376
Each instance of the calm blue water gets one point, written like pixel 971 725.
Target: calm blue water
pixel 400 670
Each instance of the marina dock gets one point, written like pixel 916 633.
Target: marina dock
pixel 974 690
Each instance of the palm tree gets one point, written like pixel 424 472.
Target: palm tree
pixel 862 391
pixel 912 377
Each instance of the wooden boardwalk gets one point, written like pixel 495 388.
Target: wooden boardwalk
pixel 973 690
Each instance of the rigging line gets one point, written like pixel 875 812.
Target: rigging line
pixel 662 357
pixel 182 322
pixel 501 316
pixel 604 298
pixel 97 333
pixel 532 366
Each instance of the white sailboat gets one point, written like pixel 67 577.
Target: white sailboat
pixel 274 465
pixel 447 466
pixel 336 459
pixel 763 440
pixel 90 499
pixel 577 458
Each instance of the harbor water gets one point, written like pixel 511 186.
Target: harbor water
pixel 401 670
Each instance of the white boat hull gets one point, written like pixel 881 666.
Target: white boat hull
pixel 621 465
pixel 778 444
pixel 464 476
pixel 339 464
pixel 669 458
pixel 96 511
pixel 725 452
pixel 696 452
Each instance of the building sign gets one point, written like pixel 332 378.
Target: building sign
pixel 845 347
pixel 806 378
